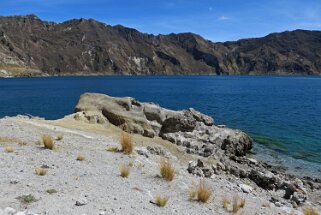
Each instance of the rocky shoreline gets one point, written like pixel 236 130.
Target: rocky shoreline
pixel 197 133
pixel 199 150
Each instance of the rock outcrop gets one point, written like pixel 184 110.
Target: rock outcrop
pixel 189 128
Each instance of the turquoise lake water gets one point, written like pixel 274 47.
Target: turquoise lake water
pixel 282 114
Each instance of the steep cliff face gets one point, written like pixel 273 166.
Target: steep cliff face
pixel 30 46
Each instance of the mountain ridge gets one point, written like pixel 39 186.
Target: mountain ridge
pixel 32 47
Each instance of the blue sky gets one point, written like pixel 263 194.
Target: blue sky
pixel 217 20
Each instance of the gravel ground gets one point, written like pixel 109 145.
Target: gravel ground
pixel 94 186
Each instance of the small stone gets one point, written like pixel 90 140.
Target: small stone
pixel 294 204
pixel 9 211
pixel 252 160
pixel 102 213
pixel 142 152
pixel 246 188
pixel 14 181
pixel 299 198
pixel 278 204
pixel 81 202
pixel 221 166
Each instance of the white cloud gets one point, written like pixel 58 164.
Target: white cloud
pixel 223 18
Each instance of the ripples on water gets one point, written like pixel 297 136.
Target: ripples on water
pixel 282 113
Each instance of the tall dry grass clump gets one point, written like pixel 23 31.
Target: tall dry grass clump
pixel 124 171
pixel 310 211
pixel 161 201
pixel 201 192
pixel 166 169
pixel 126 142
pixel 237 204
pixel 48 142
pixel 226 202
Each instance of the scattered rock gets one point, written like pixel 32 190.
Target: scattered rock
pixel 82 201
pixel 156 150
pixel 197 168
pixel 252 161
pixel 14 181
pixel 299 198
pixel 142 152
pixel 246 188
pixel 9 211
pixel 265 180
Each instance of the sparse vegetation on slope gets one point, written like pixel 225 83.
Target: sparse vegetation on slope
pixel 226 202
pixel 80 157
pixel 201 192
pixel 126 142
pixel 124 171
pixel 48 142
pixel 310 211
pixel 166 169
pixel 161 201
pixel 237 204
pixel 27 199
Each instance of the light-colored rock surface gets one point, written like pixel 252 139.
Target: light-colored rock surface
pixel 95 182
pixel 190 128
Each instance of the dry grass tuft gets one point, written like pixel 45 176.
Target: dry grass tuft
pixel 131 163
pixel 9 149
pixel 237 204
pixel 124 171
pixel 41 171
pixel 77 116
pixel 201 193
pixel 59 137
pixel 242 203
pixel 166 169
pixel 161 201
pixel 126 142
pixel 48 142
pixel 80 157
pixel 226 202
pixel 12 140
pixel 310 211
